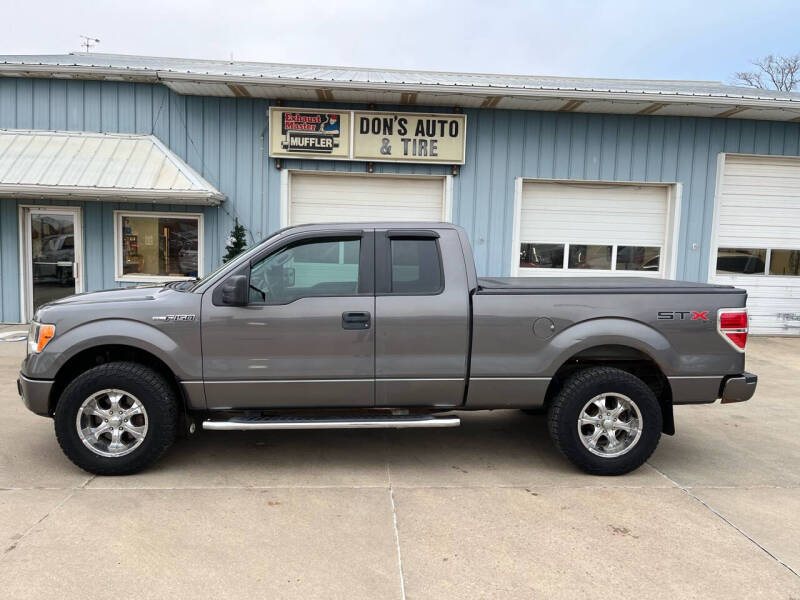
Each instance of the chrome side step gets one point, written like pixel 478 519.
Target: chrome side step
pixel 357 422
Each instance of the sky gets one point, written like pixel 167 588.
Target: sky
pixel 678 39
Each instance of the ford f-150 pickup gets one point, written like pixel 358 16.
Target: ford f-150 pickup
pixel 367 325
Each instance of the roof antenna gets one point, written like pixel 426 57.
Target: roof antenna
pixel 88 43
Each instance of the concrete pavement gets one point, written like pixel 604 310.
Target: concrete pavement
pixel 488 510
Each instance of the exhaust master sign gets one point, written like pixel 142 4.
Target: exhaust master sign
pixel 309 134
pixel 368 136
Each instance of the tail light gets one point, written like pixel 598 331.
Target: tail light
pixel 732 324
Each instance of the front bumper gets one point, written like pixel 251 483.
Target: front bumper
pixel 739 388
pixel 35 394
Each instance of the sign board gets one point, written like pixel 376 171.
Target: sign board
pixel 367 136
pixel 309 133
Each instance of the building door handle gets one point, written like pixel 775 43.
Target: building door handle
pixel 355 320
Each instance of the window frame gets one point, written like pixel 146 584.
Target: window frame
pixel 383 252
pixel 366 264
pixel 767 263
pixel 118 271
pixel 614 247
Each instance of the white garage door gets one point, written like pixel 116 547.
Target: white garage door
pixel 758 238
pixel 331 198
pixel 576 228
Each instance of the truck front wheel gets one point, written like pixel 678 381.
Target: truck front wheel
pixel 605 421
pixel 116 418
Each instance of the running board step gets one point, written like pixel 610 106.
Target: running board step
pixel 358 422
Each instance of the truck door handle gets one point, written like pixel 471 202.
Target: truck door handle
pixel 355 320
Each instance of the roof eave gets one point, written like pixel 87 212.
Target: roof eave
pixel 166 76
pixel 196 197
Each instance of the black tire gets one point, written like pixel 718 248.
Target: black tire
pixel 152 391
pixel 566 408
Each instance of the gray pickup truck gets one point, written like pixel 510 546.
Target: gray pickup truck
pixel 368 325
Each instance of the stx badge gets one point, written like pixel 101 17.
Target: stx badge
pixel 683 315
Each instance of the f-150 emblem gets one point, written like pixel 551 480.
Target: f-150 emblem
pixel 173 318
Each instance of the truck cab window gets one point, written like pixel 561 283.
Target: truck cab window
pixel 416 266
pixel 317 267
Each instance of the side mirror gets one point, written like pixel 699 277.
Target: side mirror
pixel 234 291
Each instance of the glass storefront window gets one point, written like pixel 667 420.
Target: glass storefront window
pixel 541 256
pixel 747 261
pixel 156 246
pixel 638 258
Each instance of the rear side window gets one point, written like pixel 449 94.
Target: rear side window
pixel 416 266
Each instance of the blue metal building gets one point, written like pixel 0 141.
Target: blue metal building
pixel 691 180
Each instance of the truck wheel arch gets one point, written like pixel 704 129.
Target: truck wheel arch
pixel 93 356
pixel 627 358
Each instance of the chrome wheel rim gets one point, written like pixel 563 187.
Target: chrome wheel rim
pixel 112 423
pixel 610 425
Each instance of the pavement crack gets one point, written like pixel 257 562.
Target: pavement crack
pixel 686 490
pixel 396 533
pixel 9 549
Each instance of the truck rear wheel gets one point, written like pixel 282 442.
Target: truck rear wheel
pixel 605 421
pixel 116 418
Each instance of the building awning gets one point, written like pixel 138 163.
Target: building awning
pixel 98 166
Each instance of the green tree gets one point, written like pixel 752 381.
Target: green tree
pixel 236 242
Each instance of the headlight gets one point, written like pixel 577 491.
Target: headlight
pixel 39 335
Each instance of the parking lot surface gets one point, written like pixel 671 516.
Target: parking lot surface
pixel 487 510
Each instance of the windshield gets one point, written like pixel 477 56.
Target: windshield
pixel 253 249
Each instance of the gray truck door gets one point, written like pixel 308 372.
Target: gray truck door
pixel 421 318
pixel 306 337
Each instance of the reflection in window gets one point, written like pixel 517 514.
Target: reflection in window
pixel 784 262
pixel 320 267
pixel 416 268
pixel 152 245
pixel 541 256
pixel 638 258
pixel 748 261
pixel 589 257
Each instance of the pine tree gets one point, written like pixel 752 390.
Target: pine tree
pixel 236 242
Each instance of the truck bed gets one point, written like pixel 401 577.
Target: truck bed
pixel 597 285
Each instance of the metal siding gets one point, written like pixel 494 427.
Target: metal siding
pixel 41 104
pixel 24 103
pixel 221 139
pixel 75 105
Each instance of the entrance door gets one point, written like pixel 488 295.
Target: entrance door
pixel 52 255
